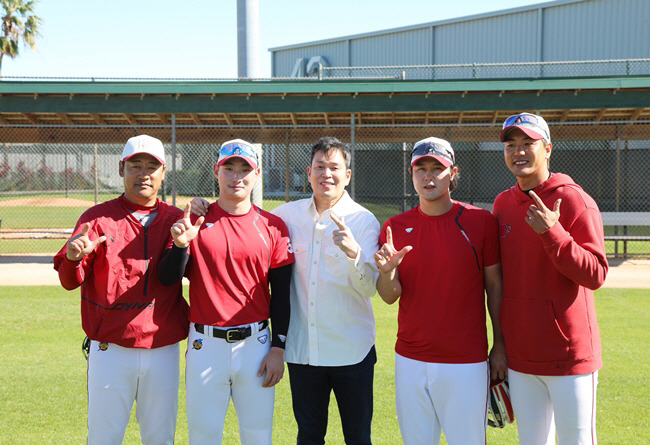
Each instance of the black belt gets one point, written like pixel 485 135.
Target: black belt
pixel 231 335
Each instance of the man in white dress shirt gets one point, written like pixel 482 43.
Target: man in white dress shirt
pixel 330 343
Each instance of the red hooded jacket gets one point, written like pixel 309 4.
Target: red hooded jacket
pixel 122 301
pixel 547 313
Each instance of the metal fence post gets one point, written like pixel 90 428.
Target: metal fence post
pixel 287 173
pixel 174 159
pixel 352 154
pixel 96 179
pixel 65 169
pixel 617 196
pixel 405 176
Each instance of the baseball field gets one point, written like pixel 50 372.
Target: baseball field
pixel 43 372
pixel 41 223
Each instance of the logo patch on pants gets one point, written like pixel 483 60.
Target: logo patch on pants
pixel 103 346
pixel 263 338
pixel 197 344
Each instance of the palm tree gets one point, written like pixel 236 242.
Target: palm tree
pixel 18 23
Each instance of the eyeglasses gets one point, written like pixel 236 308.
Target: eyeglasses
pixel 434 149
pixel 237 149
pixel 519 119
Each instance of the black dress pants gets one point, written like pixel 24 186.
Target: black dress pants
pixel 352 385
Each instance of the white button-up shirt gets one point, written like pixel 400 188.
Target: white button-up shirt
pixel 332 323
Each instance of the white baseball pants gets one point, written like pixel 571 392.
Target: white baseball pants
pixel 435 397
pixel 119 376
pixel 544 405
pixel 217 370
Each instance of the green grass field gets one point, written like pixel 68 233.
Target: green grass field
pixel 43 389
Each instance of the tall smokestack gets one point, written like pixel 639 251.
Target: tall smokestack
pixel 248 39
pixel 248 50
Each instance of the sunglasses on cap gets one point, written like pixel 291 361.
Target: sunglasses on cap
pixel 235 149
pixel 431 148
pixel 520 119
pixel 534 126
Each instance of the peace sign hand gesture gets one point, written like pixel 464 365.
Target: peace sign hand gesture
pixel 80 245
pixel 183 231
pixel 387 257
pixel 540 217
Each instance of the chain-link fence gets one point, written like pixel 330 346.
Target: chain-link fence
pixel 571 68
pixel 45 186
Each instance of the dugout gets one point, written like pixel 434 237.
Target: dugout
pixel 51 130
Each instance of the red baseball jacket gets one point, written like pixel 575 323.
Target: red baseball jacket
pixel 122 301
pixel 548 314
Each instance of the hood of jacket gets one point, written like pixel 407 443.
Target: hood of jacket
pixel 547 187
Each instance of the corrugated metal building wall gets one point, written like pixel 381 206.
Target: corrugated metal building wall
pixel 551 31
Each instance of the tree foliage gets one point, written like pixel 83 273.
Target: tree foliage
pixel 19 25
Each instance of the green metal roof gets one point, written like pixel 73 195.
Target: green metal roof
pixel 282 96
pixel 315 86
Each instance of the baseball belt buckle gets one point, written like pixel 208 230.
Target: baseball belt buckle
pixel 235 335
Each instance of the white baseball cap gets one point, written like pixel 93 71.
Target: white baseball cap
pixel 144 144
pixel 238 148
pixel 435 148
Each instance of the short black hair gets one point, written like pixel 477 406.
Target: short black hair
pixel 329 143
pixel 454 182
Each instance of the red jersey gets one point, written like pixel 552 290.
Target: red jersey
pixel 229 265
pixel 442 317
pixel 548 316
pixel 122 301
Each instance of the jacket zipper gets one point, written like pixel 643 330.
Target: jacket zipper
pixel 146 258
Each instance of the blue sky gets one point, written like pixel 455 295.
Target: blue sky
pixel 198 38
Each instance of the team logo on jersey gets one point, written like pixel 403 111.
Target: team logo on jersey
pixel 409 230
pixel 263 339
pixel 197 344
pixel 103 346
pixel 290 248
pixel 504 230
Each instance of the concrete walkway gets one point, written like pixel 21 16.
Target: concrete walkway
pixel 37 270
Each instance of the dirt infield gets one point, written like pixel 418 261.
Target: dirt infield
pixel 46 202
pixel 37 270
pixel 68 202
